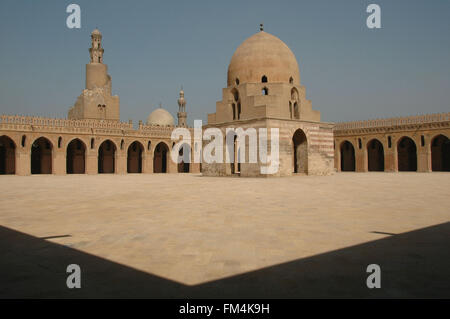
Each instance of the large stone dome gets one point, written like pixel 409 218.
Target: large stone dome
pixel 263 55
pixel 160 117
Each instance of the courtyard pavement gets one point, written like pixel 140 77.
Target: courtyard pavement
pixel 185 235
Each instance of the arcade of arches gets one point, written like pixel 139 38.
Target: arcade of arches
pixel 415 144
pixel 422 147
pixel 24 154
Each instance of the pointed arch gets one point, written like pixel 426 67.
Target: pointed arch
pixel 107 157
pixel 41 156
pixel 407 154
pixel 7 155
pixel 347 151
pixel 161 158
pixel 134 157
pixel 440 153
pixel 300 152
pixel 375 156
pixel 294 94
pixel 76 157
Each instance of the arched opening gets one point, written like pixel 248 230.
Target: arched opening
pixel 236 106
pixel 294 94
pixel 347 157
pixel 296 112
pixel 160 158
pixel 265 91
pixel 237 81
pixel 7 155
pixel 107 157
pixel 291 80
pixel 264 79
pixel 300 152
pixel 407 155
pixel 59 142
pixel 41 156
pixel 375 156
pixel 185 153
pixel 134 158
pixel 440 153
pixel 235 94
pixel 75 159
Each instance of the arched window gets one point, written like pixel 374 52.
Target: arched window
pixel 264 79
pixel 236 95
pixel 294 94
pixel 296 111
pixel 149 145
pixel 92 143
pixel 291 80
pixel 24 138
pixel 265 91
pixel 237 81
pixel 59 141
pixel 121 144
pixel 236 106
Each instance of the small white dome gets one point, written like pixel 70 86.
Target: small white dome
pixel 160 117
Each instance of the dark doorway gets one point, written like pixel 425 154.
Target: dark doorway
pixel 300 152
pixel 407 155
pixel 375 156
pixel 75 159
pixel 41 156
pixel 440 154
pixel 106 157
pixel 160 158
pixel 134 158
pixel 347 157
pixel 7 156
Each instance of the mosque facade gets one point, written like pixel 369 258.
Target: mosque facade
pixel 263 91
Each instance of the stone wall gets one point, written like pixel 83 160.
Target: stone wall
pixel 392 133
pixel 24 131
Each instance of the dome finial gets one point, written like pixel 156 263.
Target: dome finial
pixel 261 27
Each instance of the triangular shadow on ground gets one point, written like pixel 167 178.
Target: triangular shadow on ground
pixel 413 264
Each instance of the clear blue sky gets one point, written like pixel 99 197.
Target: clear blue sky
pixel 153 47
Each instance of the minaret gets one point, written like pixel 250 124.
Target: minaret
pixel 96 101
pixel 96 49
pixel 182 110
pixel 96 71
